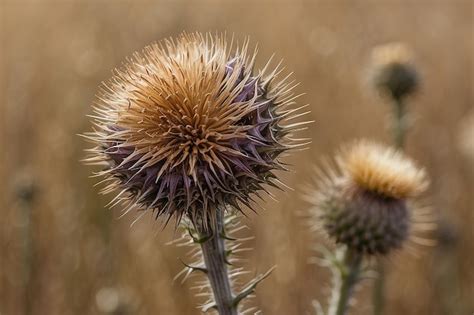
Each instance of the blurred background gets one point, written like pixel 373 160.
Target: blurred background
pixel 63 252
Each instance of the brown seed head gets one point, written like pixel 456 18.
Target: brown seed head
pixel 365 202
pixel 188 127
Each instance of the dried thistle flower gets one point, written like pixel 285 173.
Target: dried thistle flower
pixel 187 127
pixel 393 70
pixel 365 202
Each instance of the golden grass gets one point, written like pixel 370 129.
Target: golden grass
pixel 54 55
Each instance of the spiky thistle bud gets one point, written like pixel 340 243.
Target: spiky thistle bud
pixel 393 70
pixel 365 202
pixel 187 127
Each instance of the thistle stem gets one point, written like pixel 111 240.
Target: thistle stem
pixel 400 127
pixel 379 289
pixel 400 124
pixel 347 278
pixel 26 196
pixel 215 258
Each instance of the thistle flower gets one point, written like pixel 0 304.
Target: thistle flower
pixel 393 70
pixel 187 127
pixel 365 202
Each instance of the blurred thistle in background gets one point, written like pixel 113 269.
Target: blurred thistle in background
pixel 365 203
pixel 465 137
pixel 394 74
pixel 393 70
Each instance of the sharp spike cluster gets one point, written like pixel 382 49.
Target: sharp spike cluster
pixel 187 126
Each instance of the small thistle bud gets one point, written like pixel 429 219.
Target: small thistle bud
pixel 393 70
pixel 365 202
pixel 187 127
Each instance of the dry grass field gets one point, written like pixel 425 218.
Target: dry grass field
pixel 62 252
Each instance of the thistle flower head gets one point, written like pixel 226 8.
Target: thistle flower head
pixel 393 70
pixel 365 201
pixel 187 127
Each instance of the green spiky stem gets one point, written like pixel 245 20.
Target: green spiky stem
pixel 347 278
pixel 400 128
pixel 215 259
